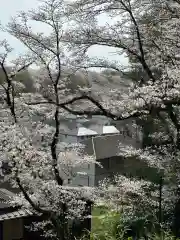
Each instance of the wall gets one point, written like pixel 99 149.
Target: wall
pixel 13 229
pixel 129 167
pixel 67 138
pixel 109 145
pixel 85 180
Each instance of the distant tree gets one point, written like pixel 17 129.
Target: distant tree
pixel 22 77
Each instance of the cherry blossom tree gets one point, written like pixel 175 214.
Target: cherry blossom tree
pixel 33 158
pixel 149 44
pixel 147 32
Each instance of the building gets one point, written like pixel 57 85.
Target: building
pixel 102 142
pixel 72 129
pixel 12 219
pixel 105 149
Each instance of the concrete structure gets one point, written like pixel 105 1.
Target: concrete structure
pixel 105 150
pixel 101 138
pixel 73 128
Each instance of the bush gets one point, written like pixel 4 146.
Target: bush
pixel 110 225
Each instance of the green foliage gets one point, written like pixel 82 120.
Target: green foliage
pixel 98 213
pixel 110 225
pixel 105 225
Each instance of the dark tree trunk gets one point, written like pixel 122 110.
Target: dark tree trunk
pixel 160 203
pixel 176 222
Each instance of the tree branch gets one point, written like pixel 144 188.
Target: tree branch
pixel 140 43
pixel 100 111
pixel 26 196
pixel 53 147
pixel 56 116
pixel 9 92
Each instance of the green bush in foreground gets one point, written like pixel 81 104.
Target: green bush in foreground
pixel 108 225
pixel 165 236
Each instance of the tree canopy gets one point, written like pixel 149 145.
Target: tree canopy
pixel 148 33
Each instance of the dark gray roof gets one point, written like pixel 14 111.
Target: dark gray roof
pixel 6 209
pixel 5 196
pixel 15 214
pixel 4 205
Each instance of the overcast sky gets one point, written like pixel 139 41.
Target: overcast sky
pixel 11 7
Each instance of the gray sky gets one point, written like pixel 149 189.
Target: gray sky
pixel 11 7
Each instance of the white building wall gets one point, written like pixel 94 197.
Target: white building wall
pixel 68 138
pixel 85 180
